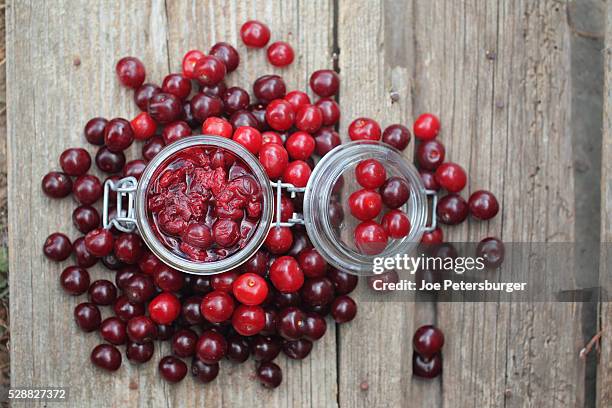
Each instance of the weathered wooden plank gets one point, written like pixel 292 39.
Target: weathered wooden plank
pixel 604 373
pixel 308 27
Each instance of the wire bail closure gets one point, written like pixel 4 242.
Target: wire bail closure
pixel 434 206
pixel 125 220
pixel 296 219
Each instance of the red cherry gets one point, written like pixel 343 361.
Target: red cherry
pixel 364 129
pixel 370 173
pixel 428 341
pixel 217 127
pixel 297 99
pixel 99 242
pixel 248 137
pixel 483 205
pixel 280 115
pixel 255 34
pixel 190 60
pixel 250 289
pixel 131 72
pixel 370 238
pixel 330 110
pixel 217 306
pixel 164 308
pixel 300 145
pixel 224 281
pixel 426 127
pixel 279 240
pixel 226 53
pixel 274 159
pixel 209 70
pixel 286 274
pixel 365 204
pixel 397 136
pixel 324 82
pixel 271 137
pixel 297 173
pixel 434 237
pixel 312 263
pixel 177 85
pixel 249 320
pixel 430 154
pixel 309 118
pixel 396 224
pixel 280 54
pixel 451 177
pixel 144 126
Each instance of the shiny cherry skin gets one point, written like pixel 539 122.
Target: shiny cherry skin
pixel 430 154
pixel 139 288
pixel 227 54
pixel 190 311
pixel 141 329
pixel 165 108
pixel 85 218
pixel 190 60
pixel 279 240
pixel 82 256
pixel 235 99
pixel 204 106
pixel 225 232
pixel 248 137
pixel 428 341
pixel 265 348
pixel 370 173
pixel 118 135
pixel 106 357
pixel 317 292
pixel 343 309
pixel 370 238
pixel 364 129
pixel 255 34
pixel 271 317
pixel 280 115
pixel 324 82
pixel 397 136
pixel 433 238
pixel 134 168
pixel 280 54
pixel 217 90
pixel 395 192
pixel 87 316
pixel 429 180
pixel 139 353
pixel 172 369
pixel 300 145
pixel 175 131
pixel 492 251
pixel 257 264
pixel 426 127
pixel 286 274
pixel 330 110
pixel 258 111
pixel 250 289
pixel 297 99
pixel 224 281
pixel 274 159
pixel 300 241
pixel 165 331
pixel 177 85
pixel 109 162
pixel 326 140
pixel 297 173
pixel 315 326
pixel 87 189
pixel 217 306
pixel 426 368
pixel 248 320
pixel 167 278
pixel 143 95
pixel 483 205
pixel 244 118
pixel 268 88
pixel 125 310
pixel 311 262
pixel 452 209
pixel 75 161
pixel 286 299
pixel 297 349
pixel 451 177
pixel 211 347
pixel 113 330
pixel 94 131
pixel 56 184
pixel 237 348
pixel 102 292
pixel 144 126
pixel 57 247
pixel 210 70
pixel 344 283
pixel 131 72
pixel 74 280
pixel 111 262
pixel 184 343
pixel 396 224
pixel 269 375
pixel 203 372
pixel 151 147
pixel 290 323
pixel 164 308
pixel 128 248
pixel 309 118
pixel 365 204
pixel 124 274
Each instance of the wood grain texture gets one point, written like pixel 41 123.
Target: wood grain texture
pixel 604 374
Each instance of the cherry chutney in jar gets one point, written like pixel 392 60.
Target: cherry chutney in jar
pixel 203 203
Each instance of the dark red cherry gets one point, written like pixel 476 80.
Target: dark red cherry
pixel 172 369
pixel 165 108
pixel 314 326
pixel 395 192
pixel 139 288
pixel 87 189
pixel 397 136
pixel 237 348
pixel 430 154
pixel 113 330
pixel 343 309
pixel 128 248
pixel 312 263
pixel 85 218
pixel 317 292
pixel 269 374
pixel 211 347
pixel 217 306
pixel 203 372
pixel 94 131
pixel 326 139
pixel 102 292
pixel 57 247
pixel 324 82
pixel 125 310
pixel 56 184
pixel 139 353
pixel 451 177
pixel 483 205
pixel 227 54
pixel 141 329
pixel 74 280
pixel 190 311
pixel 428 341
pixel 452 209
pixel 344 283
pixel 130 71
pixel 75 161
pixel 426 368
pixel 265 348
pixel 290 323
pixel 151 147
pixel 184 343
pixel 118 135
pixel 269 87
pixel 492 251
pixel 106 357
pixel 297 349
pixel 177 85
pixel 109 162
pixel 82 256
pixel 143 95
pixel 87 316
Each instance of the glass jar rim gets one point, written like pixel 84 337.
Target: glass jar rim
pixel 240 256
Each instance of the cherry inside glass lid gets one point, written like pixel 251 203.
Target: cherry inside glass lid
pixel 204 203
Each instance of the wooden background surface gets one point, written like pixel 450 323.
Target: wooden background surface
pixel 497 72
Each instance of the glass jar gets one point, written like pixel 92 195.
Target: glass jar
pixel 327 190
